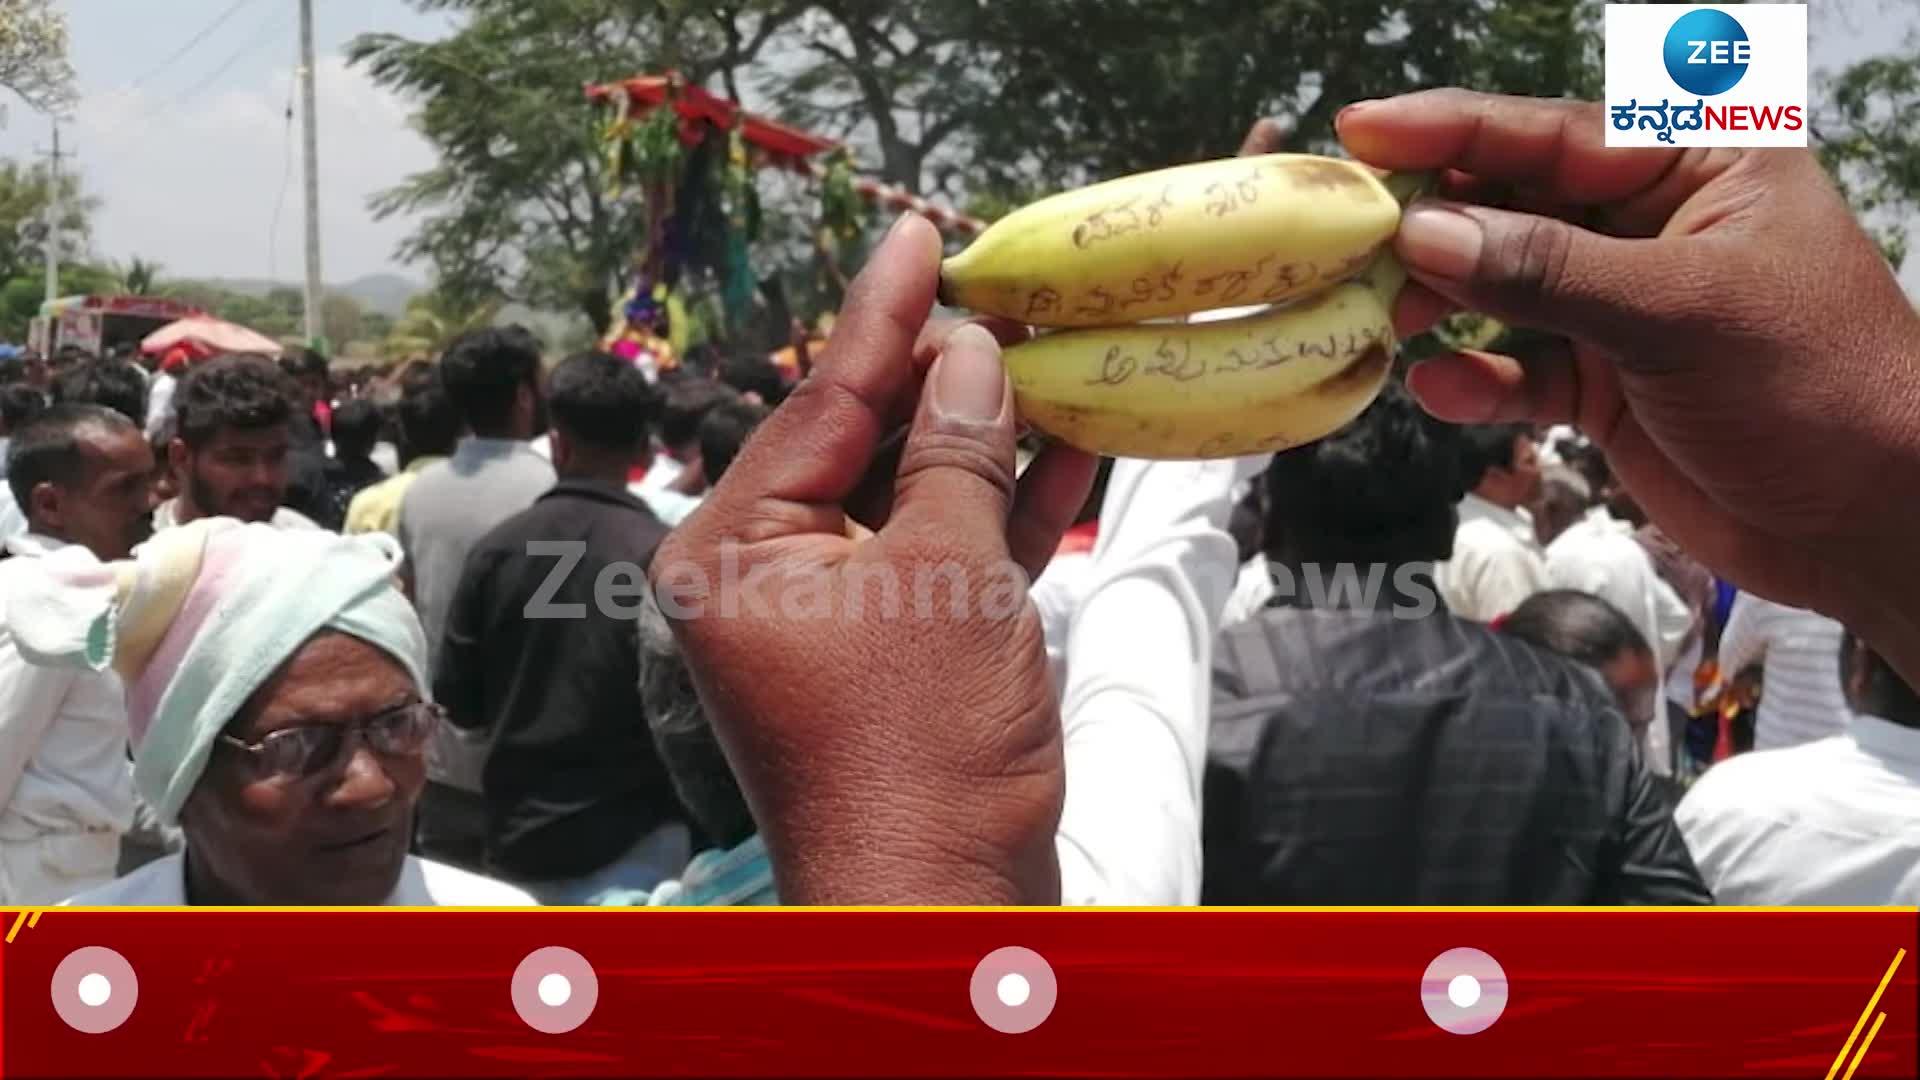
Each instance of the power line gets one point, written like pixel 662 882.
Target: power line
pixel 219 21
pixel 272 26
pixel 280 200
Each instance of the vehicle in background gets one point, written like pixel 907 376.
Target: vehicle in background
pixel 102 324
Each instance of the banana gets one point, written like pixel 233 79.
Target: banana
pixel 1256 384
pixel 1216 234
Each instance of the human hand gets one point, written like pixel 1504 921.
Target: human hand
pixel 1737 345
pixel 884 701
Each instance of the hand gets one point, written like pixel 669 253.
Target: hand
pixel 884 701
pixel 1738 346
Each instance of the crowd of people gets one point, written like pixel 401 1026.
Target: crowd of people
pixel 1531 630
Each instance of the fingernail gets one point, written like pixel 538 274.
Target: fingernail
pixel 968 382
pixel 897 223
pixel 1352 110
pixel 1440 240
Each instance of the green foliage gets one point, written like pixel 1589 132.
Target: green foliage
pixel 1867 129
pixel 517 207
pixel 33 54
pixel 24 193
pixel 21 297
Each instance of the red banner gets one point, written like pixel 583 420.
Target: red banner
pixel 1472 993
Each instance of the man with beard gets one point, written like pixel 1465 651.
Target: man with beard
pixel 66 792
pixel 230 444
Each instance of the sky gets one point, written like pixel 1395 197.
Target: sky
pixel 182 129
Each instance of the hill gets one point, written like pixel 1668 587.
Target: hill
pixel 384 293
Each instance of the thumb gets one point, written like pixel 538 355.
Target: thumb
pixel 956 471
pixel 1539 271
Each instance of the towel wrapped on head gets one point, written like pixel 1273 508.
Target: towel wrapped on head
pixel 199 619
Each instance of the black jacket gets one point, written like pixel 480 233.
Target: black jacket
pixel 1362 757
pixel 572 779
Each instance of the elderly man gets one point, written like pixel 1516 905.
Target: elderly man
pixel 276 695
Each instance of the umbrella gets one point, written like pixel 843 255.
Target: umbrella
pixel 204 335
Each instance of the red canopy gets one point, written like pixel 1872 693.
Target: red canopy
pixel 789 146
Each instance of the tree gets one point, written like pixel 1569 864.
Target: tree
pixel 24 194
pixel 517 207
pixel 33 54
pixel 1866 133
pixel 140 277
pixel 341 320
pixel 432 320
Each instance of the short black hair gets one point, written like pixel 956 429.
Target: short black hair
pixel 684 403
pixel 356 427
pixel 13 369
pixel 1383 489
pixel 601 401
pixel 484 369
pixel 47 449
pixel 299 362
pixel 19 404
pixel 246 392
pixel 429 424
pixel 754 373
pixel 114 383
pixel 685 740
pixel 1485 447
pixel 1886 695
pixel 723 431
pixel 1577 625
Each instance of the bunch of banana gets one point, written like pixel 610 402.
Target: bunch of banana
pixel 1305 234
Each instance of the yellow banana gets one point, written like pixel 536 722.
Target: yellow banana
pixel 1256 384
pixel 1217 234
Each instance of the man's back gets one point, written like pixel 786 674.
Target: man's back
pixel 451 506
pixel 1359 757
pixel 1833 822
pixel 1799 651
pixel 1495 564
pixel 572 780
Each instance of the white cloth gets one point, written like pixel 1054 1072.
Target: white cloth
pixel 1251 591
pixel 159 404
pixel 1496 562
pixel 1057 593
pixel 423 883
pixel 167 516
pixel 542 445
pixel 1139 656
pixel 661 473
pixel 66 784
pixel 1599 555
pixel 1834 822
pixel 12 522
pixel 1800 695
pixel 670 507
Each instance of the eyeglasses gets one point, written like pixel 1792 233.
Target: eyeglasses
pixel 310 749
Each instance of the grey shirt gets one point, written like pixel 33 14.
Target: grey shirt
pixel 453 504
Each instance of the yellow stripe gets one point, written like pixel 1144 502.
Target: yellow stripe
pixel 1864 1013
pixel 33 920
pixel 1194 912
pixel 1871 1032
pixel 17 921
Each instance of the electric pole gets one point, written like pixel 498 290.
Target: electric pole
pixel 52 242
pixel 312 153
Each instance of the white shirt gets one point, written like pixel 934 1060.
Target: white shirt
pixel 1496 562
pixel 1251 591
pixel 1599 555
pixel 159 403
pixel 166 516
pixel 63 735
pixel 1800 695
pixel 12 522
pixel 1138 687
pixel 670 507
pixel 1057 593
pixel 1834 822
pixel 663 472
pixel 423 883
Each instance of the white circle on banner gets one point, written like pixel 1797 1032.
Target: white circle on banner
pixel 1013 990
pixel 94 989
pixel 554 990
pixel 1464 991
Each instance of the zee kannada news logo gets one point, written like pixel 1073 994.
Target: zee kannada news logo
pixel 1708 54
